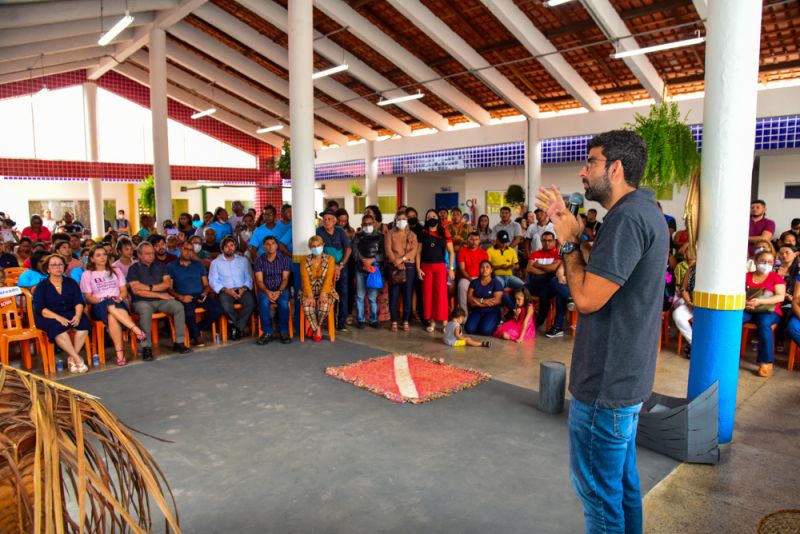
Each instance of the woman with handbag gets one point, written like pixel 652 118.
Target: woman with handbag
pixel 765 292
pixel 368 253
pixel 401 249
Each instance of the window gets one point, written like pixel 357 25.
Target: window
pixel 791 191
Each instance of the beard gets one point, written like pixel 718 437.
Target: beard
pixel 600 192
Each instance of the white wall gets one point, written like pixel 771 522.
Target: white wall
pixel 777 170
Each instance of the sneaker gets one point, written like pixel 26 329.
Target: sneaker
pixel 486 344
pixel 361 325
pixel 180 348
pixel 342 327
pixel 375 325
pixel 554 332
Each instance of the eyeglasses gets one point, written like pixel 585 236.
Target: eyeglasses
pixel 61 265
pixel 592 161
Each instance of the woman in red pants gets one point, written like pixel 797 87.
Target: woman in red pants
pixel 435 267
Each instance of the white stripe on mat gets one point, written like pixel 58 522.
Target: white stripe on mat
pixel 402 376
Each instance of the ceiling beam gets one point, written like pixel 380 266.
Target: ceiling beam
pixel 33 66
pixel 280 56
pixel 163 20
pixel 36 14
pixel 701 6
pixel 615 29
pixel 278 17
pixel 521 27
pixel 76 28
pixel 66 44
pixel 453 43
pixel 345 16
pixel 186 98
pixel 236 86
pixel 56 69
pixel 256 72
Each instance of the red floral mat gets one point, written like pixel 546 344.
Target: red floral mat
pixel 408 377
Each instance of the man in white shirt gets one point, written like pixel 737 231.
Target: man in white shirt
pixel 238 214
pixel 535 231
pixel 231 277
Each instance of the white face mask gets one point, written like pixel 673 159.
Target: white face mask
pixel 368 229
pixel 246 235
pixel 316 251
pixel 402 224
pixel 197 248
pixel 764 268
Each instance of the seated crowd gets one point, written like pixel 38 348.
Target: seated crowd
pixel 496 281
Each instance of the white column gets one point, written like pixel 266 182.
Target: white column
pixel 371 164
pixel 158 107
pixel 301 117
pixel 729 121
pixel 533 161
pixel 92 154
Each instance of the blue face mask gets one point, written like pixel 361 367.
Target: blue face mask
pixel 316 251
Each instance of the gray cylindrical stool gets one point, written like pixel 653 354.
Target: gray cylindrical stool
pixel 552 386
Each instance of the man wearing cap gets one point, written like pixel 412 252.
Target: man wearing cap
pixel 338 245
pixel 504 261
pixel 231 278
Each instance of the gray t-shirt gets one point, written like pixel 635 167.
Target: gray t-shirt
pixel 614 357
pixel 513 228
pixel 450 333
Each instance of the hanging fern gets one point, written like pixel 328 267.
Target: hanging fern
pixel 672 154
pixel 148 194
pixel 284 163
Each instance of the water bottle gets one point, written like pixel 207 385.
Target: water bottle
pixel 59 365
pixel 95 360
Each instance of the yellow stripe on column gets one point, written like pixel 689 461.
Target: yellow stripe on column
pixel 717 301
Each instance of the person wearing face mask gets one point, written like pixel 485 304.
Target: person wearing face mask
pixel 765 294
pixel 400 245
pixel 368 254
pixel 338 245
pixel 788 270
pixel 317 293
pixel 434 244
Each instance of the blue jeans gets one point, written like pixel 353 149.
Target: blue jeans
pixel 602 465
pixel 372 294
pixel 763 322
pixel 482 321
pixel 405 289
pixel 283 313
pixel 558 291
pixel 794 329
pixel 509 280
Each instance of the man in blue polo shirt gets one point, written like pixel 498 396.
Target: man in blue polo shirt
pixel 270 227
pixel 338 245
pixel 190 288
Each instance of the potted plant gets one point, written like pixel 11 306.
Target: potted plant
pixel 147 192
pixel 515 195
pixel 672 157
pixel 356 189
pixel 284 163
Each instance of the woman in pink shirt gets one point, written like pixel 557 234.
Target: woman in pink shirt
pixel 765 293
pixel 104 288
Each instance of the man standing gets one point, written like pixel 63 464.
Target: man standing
pixel 535 231
pixel 238 214
pixel 761 228
pixel 338 245
pixel 285 229
pixel 512 228
pixel 469 261
pixel 617 287
pixel 71 226
pixel 592 225
pixel 231 279
pixel 272 279
pixel 369 253
pixel 150 284
pixel 270 227
pixel 190 288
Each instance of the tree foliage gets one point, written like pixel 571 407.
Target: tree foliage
pixel 515 195
pixel 148 194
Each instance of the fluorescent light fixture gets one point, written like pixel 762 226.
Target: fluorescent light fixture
pixel 268 129
pixel 115 30
pixel 657 48
pixel 399 99
pixel 554 3
pixel 328 72
pixel 204 113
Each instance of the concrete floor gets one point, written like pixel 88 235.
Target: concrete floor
pixel 759 473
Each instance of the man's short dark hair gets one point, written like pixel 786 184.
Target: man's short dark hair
pixel 330 204
pixel 226 240
pixel 269 238
pixel 591 210
pixel 795 222
pixel 759 201
pixel 474 234
pixel 271 208
pixel 155 239
pixel 551 234
pixel 505 208
pixel 625 146
pixel 286 207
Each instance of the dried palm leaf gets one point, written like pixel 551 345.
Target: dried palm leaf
pixel 67 464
